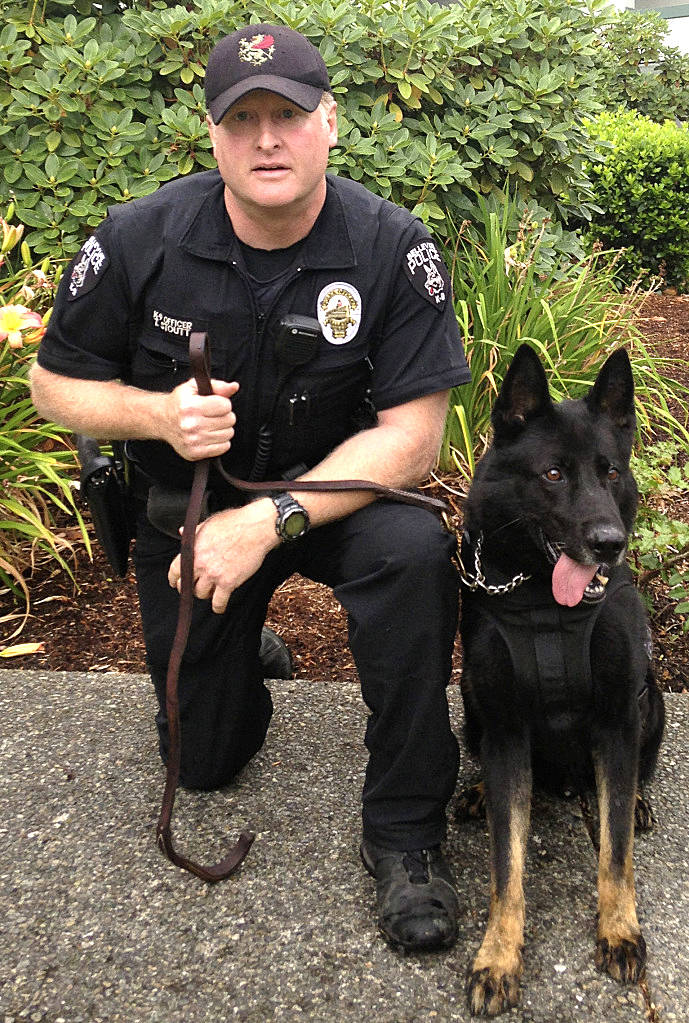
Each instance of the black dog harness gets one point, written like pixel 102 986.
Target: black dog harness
pixel 549 644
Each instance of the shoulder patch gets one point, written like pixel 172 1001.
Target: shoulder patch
pixel 426 272
pixel 88 268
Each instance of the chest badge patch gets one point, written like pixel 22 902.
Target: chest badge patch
pixel 339 312
pixel 427 273
pixel 87 269
pixel 256 50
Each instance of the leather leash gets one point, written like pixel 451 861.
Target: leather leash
pixel 199 357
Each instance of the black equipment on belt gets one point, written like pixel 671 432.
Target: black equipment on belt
pixel 105 488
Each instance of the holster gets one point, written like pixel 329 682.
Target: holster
pixel 105 490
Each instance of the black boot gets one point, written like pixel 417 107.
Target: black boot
pixel 275 658
pixel 417 899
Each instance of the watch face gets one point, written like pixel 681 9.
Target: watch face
pixel 294 524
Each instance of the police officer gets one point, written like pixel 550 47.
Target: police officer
pixel 333 346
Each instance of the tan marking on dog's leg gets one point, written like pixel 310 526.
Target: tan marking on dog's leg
pixel 493 985
pixel 621 949
pixel 471 802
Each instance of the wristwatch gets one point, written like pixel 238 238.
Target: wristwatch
pixel 293 520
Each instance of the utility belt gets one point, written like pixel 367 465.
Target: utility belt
pixel 115 488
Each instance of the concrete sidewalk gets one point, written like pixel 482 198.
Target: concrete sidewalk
pixel 98 926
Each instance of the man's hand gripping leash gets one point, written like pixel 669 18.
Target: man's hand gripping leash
pixel 199 357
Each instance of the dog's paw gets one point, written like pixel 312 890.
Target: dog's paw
pixel 489 993
pixel 471 802
pixel 624 960
pixel 644 819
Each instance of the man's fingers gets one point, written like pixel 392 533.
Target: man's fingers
pixel 226 388
pixel 220 600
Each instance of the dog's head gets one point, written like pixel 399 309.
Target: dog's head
pixel 565 468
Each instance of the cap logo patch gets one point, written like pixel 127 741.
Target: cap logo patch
pixel 257 50
pixel 339 312
pixel 424 267
pixel 87 269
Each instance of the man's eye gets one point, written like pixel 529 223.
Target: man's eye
pixel 286 114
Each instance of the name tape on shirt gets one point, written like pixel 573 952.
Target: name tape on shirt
pixel 427 273
pixel 339 312
pixel 88 268
pixel 171 325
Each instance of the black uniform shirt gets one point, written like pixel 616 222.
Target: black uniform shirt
pixel 159 267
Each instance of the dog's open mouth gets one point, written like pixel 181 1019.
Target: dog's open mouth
pixel 573 581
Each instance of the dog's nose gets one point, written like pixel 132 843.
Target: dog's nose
pixel 606 543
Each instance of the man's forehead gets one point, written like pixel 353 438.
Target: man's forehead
pixel 262 97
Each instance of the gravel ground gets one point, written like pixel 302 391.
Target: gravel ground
pixel 99 927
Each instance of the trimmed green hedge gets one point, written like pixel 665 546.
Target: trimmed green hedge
pixel 642 188
pixel 437 104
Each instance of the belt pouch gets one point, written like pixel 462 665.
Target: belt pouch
pixel 167 508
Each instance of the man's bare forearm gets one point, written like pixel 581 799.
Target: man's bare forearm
pixel 104 409
pixel 398 452
pixel 195 426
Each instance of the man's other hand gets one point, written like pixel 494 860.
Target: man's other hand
pixel 229 548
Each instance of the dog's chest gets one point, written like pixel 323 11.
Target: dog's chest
pixel 550 651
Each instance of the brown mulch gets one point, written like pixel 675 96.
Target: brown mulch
pixel 98 629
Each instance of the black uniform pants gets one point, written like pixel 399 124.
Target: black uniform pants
pixel 389 566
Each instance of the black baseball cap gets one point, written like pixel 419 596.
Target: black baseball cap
pixel 271 57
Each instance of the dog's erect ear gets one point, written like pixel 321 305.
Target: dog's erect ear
pixel 524 393
pixel 613 390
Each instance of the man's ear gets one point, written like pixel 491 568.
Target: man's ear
pixel 332 125
pixel 211 131
pixel 523 395
pixel 612 393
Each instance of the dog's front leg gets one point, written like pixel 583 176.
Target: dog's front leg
pixel 620 949
pixel 493 982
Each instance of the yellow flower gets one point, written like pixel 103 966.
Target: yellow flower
pixel 10 235
pixel 19 324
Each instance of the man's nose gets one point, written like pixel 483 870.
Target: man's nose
pixel 267 135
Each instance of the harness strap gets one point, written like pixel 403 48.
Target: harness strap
pixel 199 356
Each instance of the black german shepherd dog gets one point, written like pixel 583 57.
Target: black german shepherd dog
pixel 557 682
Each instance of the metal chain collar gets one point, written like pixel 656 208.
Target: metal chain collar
pixel 478 580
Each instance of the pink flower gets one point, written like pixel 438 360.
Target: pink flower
pixel 19 324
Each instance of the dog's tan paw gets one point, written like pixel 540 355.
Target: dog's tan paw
pixel 624 960
pixel 489 994
pixel 643 814
pixel 471 802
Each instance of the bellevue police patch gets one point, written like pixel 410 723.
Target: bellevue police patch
pixel 424 267
pixel 87 269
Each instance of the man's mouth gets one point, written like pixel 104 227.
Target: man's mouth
pixel 270 168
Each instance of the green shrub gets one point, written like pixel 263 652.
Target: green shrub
pixel 573 315
pixel 642 189
pixel 660 545
pixel 641 70
pixel 437 104
pixel 35 461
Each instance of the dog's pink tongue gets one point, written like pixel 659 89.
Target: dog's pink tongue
pixel 570 579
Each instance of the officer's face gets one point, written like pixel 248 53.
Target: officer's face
pixel 272 154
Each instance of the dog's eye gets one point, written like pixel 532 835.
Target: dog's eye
pixel 553 475
pixel 613 473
